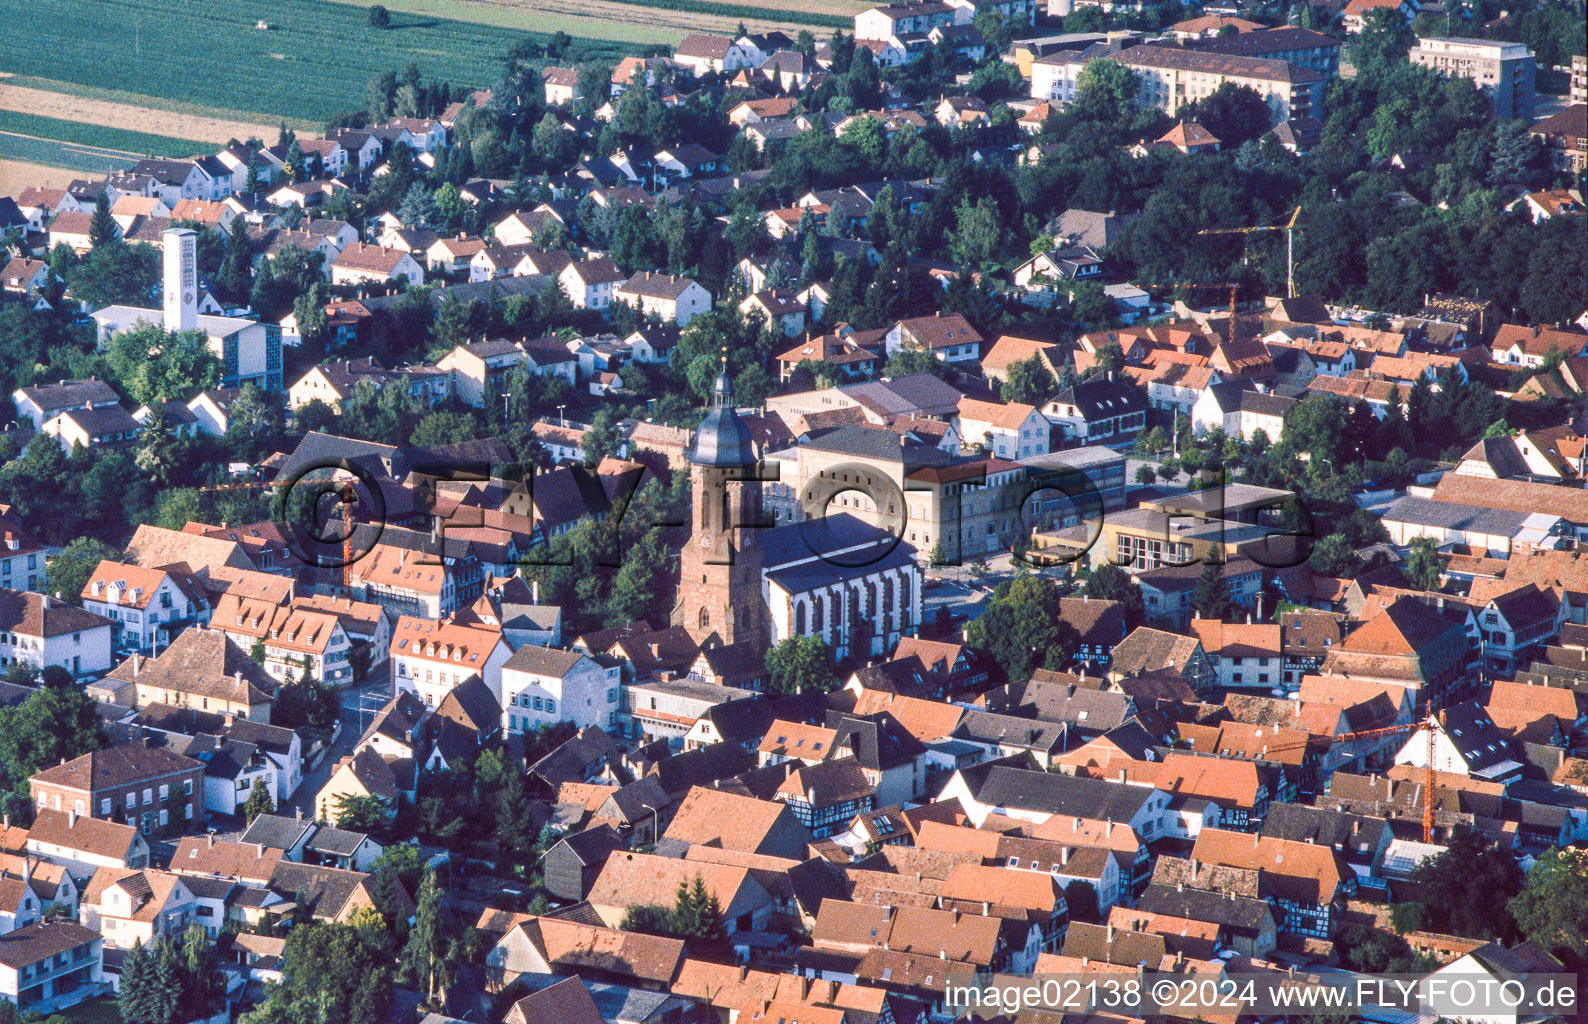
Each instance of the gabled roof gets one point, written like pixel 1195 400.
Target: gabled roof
pixel 114 767
pixel 203 662
pixel 89 835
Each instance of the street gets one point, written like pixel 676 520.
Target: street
pixel 359 706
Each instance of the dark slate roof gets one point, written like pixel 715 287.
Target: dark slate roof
pixel 1241 915
pixel 336 842
pixel 869 442
pixel 702 766
pixel 593 845
pixel 1354 835
pixel 877 744
pixel 318 449
pixel 1004 786
pixel 1100 398
pixel 1474 733
pixel 276 831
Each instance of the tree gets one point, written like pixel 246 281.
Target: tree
pixel 423 955
pixel 908 361
pixel 379 17
pixel 1235 114
pixel 1422 568
pixel 362 813
pixel 1106 92
pixel 1023 628
pixel 802 664
pixel 306 704
pixel 648 919
pixel 132 993
pixel 1211 597
pixel 162 995
pixel 68 572
pixel 1111 583
pixel 1334 556
pixel 440 428
pixel 418 208
pixel 978 230
pixel 1382 43
pixel 203 985
pixel 235 276
pixel 1467 888
pixel 333 973
pixel 154 365
pixel 512 824
pixel 115 275
pixel 102 227
pixel 1552 908
pixel 1082 899
pixel 259 802
pixel 52 725
pixel 1029 381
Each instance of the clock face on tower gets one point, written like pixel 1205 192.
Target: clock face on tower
pixel 187 297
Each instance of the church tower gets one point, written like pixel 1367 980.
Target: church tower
pixel 719 584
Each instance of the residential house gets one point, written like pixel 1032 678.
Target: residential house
pixel 366 775
pixel 205 670
pixel 779 308
pixel 296 640
pixel 108 427
pixel 157 790
pixel 146 605
pixel 84 844
pixel 590 283
pixel 1146 650
pixel 429 658
pixel 1304 882
pixel 670 297
pixel 1009 430
pixel 641 879
pixel 43 402
pixel 43 631
pixel 1098 411
pixel 542 685
pixel 950 338
pixel 710 817
pixel 359 263
pixel 55 963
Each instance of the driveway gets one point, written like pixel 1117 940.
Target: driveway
pixel 358 708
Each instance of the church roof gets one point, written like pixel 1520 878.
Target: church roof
pixel 723 440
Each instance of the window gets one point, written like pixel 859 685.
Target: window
pixel 187 787
pixel 104 807
pixel 165 791
pixel 148 797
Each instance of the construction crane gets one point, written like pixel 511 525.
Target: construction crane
pixel 347 496
pixel 1434 722
pixel 1290 245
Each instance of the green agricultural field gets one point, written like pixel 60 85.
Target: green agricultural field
pixel 528 14
pixel 311 63
pixel 52 153
pixel 98 137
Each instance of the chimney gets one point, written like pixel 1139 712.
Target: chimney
pixel 1111 933
pixel 209 840
pixel 297 814
pixel 71 816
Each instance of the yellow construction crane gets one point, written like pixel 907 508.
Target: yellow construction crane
pixel 1290 245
